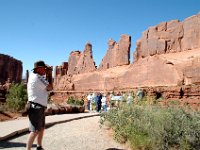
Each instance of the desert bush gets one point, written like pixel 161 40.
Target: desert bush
pixel 153 127
pixel 16 97
pixel 3 107
pixel 147 100
pixel 73 101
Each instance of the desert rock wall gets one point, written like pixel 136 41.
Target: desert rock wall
pixel 10 68
pixel 167 55
pixel 169 37
pixel 153 71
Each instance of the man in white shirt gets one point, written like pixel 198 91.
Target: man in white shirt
pixel 37 89
pixel 89 100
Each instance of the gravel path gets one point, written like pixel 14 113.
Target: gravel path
pixel 83 134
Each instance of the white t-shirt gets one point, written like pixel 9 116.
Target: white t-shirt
pixel 103 100
pixel 89 97
pixel 36 88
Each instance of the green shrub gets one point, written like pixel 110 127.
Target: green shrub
pixel 73 101
pixel 3 107
pixel 174 103
pixel 147 100
pixel 16 97
pixel 155 127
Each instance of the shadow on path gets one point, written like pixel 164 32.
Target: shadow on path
pixel 114 149
pixel 7 144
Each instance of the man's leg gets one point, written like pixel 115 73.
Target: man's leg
pixel 31 139
pixel 89 105
pixel 40 137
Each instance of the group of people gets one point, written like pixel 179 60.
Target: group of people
pixel 103 103
pixel 98 100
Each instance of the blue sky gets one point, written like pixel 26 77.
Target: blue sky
pixel 32 30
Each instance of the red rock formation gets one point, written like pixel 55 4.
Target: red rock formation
pixel 192 72
pixel 167 37
pixel 167 56
pixel 60 71
pixel 73 61
pixel 10 71
pixel 191 39
pixel 152 71
pixel 63 83
pixel 118 54
pixel 78 63
pixel 10 68
pixel 81 62
pixel 86 62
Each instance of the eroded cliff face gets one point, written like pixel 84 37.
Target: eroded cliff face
pixel 10 71
pixel 167 55
pixel 85 62
pixel 118 53
pixel 169 37
pixel 78 63
pixel 152 71
pixel 60 71
pixel 10 68
pixel 159 70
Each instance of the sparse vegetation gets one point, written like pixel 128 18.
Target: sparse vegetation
pixel 16 97
pixel 73 101
pixel 154 127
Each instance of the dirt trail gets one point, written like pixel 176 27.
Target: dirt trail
pixel 83 134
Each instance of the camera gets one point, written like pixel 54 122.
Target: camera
pixel 49 70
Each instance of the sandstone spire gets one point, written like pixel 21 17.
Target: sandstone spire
pixel 118 54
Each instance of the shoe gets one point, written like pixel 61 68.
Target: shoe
pixel 40 148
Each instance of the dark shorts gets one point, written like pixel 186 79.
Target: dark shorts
pixel 36 118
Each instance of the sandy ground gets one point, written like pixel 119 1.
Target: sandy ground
pixel 83 134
